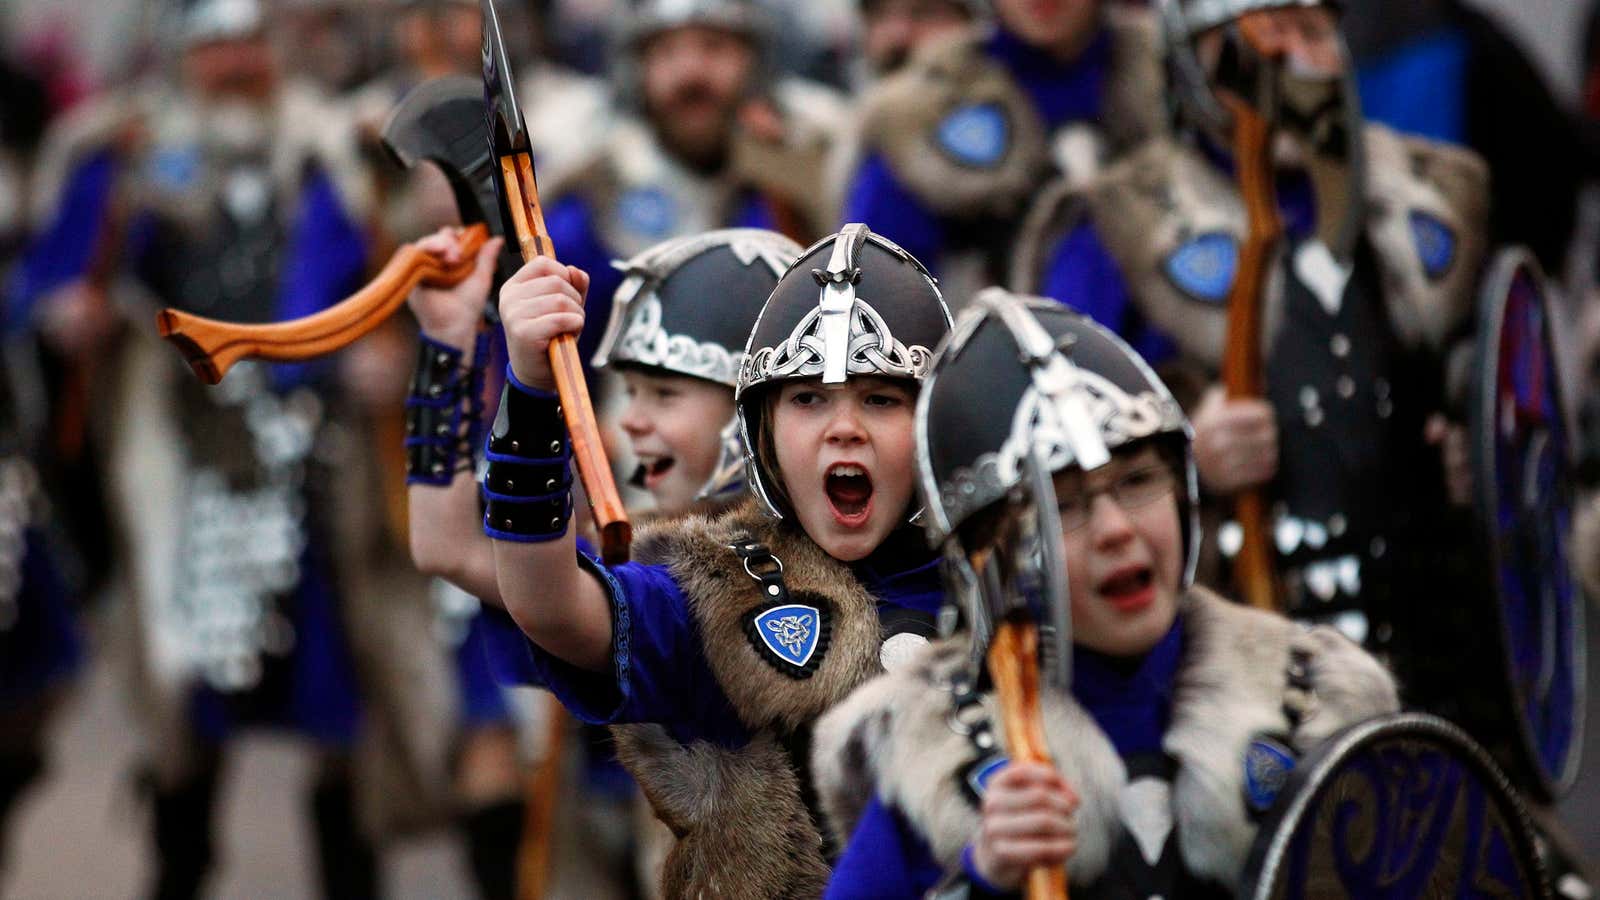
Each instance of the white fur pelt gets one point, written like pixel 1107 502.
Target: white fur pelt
pixel 892 738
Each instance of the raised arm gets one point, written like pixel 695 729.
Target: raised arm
pixel 559 606
pixel 447 538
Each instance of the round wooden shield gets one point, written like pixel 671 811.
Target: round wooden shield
pixel 1522 466
pixel 1401 806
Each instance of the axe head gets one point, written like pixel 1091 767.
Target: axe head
pixel 507 133
pixel 441 121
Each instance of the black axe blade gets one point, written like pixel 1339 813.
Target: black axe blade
pixel 441 121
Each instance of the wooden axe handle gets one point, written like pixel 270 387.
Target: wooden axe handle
pixel 1014 669
pixel 1254 569
pixel 212 346
pixel 616 534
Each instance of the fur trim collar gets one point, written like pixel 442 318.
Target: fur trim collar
pixel 892 737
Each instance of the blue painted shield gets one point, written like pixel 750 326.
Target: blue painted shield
pixel 648 211
pixel 1203 267
pixel 1267 764
pixel 1435 243
pixel 791 632
pixel 976 135
pixel 1523 478
pixel 1399 806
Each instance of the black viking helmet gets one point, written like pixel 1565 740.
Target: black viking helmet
pixel 686 307
pixel 1025 388
pixel 854 303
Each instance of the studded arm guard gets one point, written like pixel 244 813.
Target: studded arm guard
pixel 444 412
pixel 528 488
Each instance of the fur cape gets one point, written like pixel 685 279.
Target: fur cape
pixel 1147 205
pixel 902 115
pixel 743 828
pixel 892 738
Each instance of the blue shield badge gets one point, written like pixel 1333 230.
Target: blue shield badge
pixel 1203 267
pixel 1435 242
pixel 648 211
pixel 791 632
pixel 980 773
pixel 1267 764
pixel 976 135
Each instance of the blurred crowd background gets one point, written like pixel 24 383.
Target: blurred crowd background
pixel 1516 80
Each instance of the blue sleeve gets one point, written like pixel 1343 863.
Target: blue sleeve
pixel 659 671
pixel 1082 274
pixel 64 250
pixel 571 224
pixel 877 198
pixel 885 859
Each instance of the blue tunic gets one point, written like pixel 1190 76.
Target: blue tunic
pixel 659 672
pixel 41 647
pixel 1131 701
pixel 1062 93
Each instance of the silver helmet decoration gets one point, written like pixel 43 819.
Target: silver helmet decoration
pixel 655 16
pixel 853 304
pixel 1025 388
pixel 686 307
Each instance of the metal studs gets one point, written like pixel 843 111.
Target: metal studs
pixel 1309 398
pixel 1337 525
pixel 984 740
pixel 550 485
pixel 1314 417
pixel 1340 345
pixel 435 390
pixel 773 589
pixel 1385 408
pixel 515 447
pixel 1378 547
pixel 508 484
pixel 555 447
pixel 443 430
pixel 437 468
pixel 1346 386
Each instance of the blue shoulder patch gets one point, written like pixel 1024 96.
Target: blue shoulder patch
pixel 1435 242
pixel 1203 267
pixel 648 211
pixel 976 135
pixel 174 169
pixel 1267 764
pixel 791 633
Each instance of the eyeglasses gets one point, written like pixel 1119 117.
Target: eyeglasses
pixel 1136 489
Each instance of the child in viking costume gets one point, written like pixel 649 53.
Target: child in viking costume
pixel 1044 442
pixel 728 635
pixel 682 314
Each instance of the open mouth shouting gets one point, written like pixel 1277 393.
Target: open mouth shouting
pixel 652 469
pixel 849 491
pixel 1129 589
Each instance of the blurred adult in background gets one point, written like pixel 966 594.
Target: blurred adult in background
pixel 243 512
pixel 713 138
pixel 1384 236
pixel 1446 70
pixel 39 642
pixel 954 146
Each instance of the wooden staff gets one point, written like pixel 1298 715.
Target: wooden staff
pixel 212 346
pixel 1014 669
pixel 527 220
